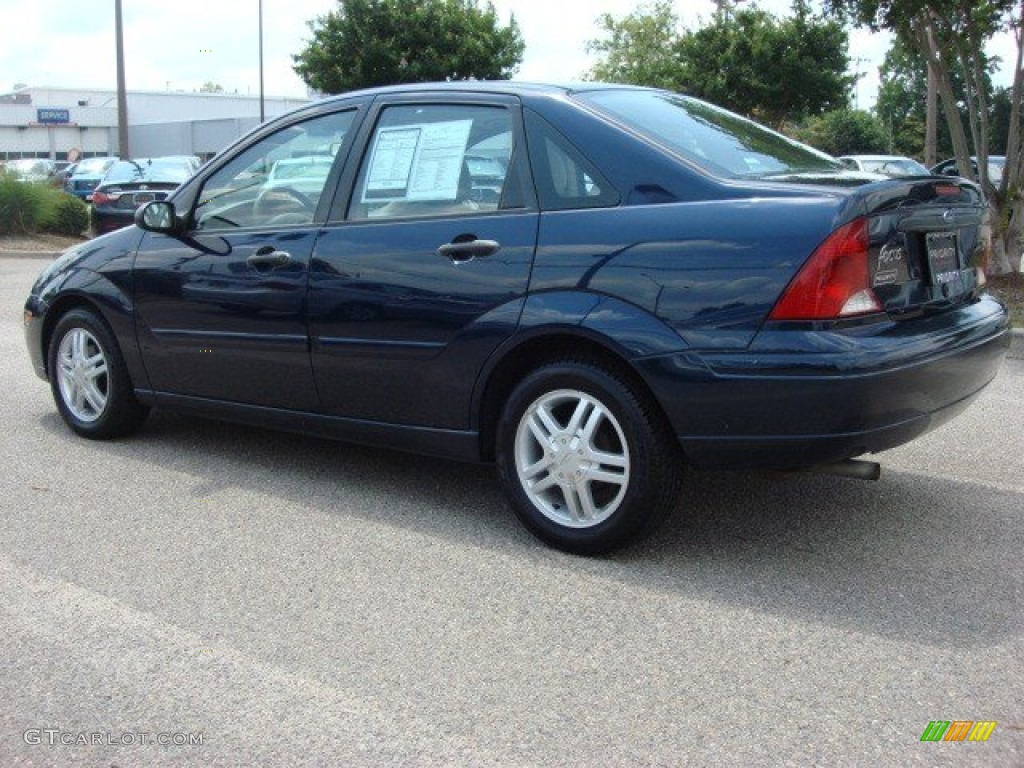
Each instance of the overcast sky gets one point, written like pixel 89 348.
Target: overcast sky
pixel 181 44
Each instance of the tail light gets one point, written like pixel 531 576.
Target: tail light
pixel 104 198
pixel 835 282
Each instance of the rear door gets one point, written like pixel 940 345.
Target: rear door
pixel 423 275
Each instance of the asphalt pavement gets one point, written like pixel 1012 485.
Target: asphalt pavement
pixel 207 594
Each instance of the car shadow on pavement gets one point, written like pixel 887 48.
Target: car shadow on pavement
pixel 910 558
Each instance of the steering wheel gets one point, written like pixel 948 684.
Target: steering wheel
pixel 274 201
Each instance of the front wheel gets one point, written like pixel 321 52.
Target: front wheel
pixel 586 462
pixel 89 378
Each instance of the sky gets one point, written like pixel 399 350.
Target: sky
pixel 182 44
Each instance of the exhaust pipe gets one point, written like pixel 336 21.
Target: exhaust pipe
pixel 855 468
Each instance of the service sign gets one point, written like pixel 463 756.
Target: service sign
pixel 49 116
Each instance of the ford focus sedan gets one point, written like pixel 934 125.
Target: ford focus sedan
pixel 650 283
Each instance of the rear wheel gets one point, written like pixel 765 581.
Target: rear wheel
pixel 89 378
pixel 585 461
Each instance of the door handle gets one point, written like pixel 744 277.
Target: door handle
pixel 466 248
pixel 266 256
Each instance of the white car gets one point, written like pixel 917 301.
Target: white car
pixel 890 165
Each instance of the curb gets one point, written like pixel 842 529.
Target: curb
pixel 29 254
pixel 1016 344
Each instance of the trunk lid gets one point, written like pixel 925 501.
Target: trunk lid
pixel 925 242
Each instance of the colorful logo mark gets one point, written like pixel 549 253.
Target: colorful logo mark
pixel 958 730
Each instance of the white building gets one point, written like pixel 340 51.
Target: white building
pixel 48 122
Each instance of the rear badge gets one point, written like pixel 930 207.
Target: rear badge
pixel 892 260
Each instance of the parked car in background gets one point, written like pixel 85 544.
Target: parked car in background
pixel 31 169
pixel 87 175
pixel 657 284
pixel 62 172
pixel 996 164
pixel 131 183
pixel 890 165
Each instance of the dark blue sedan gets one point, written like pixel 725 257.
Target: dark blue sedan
pixel 649 283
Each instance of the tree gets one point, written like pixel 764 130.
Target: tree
pixel 745 60
pixel 640 48
pixel 211 87
pixel 950 35
pixel 773 70
pixel 843 132
pixel 902 100
pixel 365 43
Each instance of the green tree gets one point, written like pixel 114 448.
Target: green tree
pixel 843 132
pixel 950 35
pixel 211 87
pixel 364 43
pixel 775 70
pixel 640 48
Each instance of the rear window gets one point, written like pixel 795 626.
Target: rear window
pixel 721 142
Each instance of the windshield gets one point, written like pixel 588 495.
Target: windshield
pixel 147 170
pixel 27 166
pixel 895 167
pixel 93 166
pixel 721 142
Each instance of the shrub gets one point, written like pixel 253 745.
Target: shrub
pixel 63 214
pixel 21 205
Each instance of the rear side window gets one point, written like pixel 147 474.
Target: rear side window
pixel 437 160
pixel 722 143
pixel 565 179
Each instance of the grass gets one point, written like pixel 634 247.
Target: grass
pixel 1009 289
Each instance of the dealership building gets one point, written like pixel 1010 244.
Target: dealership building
pixel 49 122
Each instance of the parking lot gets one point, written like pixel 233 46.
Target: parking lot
pixel 259 598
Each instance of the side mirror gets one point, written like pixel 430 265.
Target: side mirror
pixel 157 216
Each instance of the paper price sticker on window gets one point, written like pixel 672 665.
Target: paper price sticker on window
pixel 417 162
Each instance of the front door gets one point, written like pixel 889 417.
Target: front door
pixel 221 310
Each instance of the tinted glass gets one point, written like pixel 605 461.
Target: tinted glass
pixel 721 142
pixel 126 172
pixel 435 160
pixel 276 182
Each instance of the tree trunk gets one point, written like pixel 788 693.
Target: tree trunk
pixel 931 122
pixel 1007 236
pixel 937 64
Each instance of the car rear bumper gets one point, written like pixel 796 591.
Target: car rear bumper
pixel 797 398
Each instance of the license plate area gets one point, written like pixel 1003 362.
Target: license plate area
pixel 144 197
pixel 944 262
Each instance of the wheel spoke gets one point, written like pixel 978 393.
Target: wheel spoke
pixel 577 416
pixel 593 422
pixel 533 470
pixel 542 485
pixel 96 398
pixel 603 476
pixel 572 503
pixel 78 343
pixel 548 421
pixel 588 509
pixel 605 459
pixel 98 369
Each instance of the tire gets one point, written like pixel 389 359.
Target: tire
pixel 585 461
pixel 89 379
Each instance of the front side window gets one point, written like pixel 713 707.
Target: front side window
pixel 435 160
pixel 276 182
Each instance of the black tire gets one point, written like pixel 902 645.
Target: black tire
pixel 580 458
pixel 89 379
